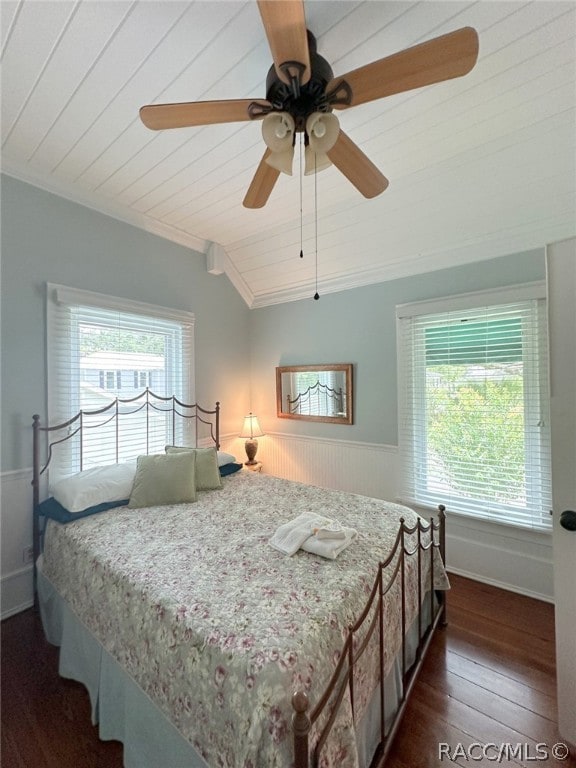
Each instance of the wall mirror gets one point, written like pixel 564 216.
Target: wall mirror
pixel 315 392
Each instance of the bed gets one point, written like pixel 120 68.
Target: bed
pixel 203 646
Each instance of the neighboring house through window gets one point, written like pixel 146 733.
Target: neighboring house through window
pixel 474 430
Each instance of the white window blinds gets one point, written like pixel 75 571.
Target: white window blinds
pixel 473 411
pixel 101 348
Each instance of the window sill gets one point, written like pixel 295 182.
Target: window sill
pixel 489 525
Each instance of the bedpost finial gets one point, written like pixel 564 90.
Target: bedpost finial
pixel 300 728
pixel 300 721
pixel 300 702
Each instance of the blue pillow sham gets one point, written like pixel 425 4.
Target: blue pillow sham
pixel 53 509
pixel 229 469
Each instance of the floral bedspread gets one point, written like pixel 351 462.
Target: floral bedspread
pixel 216 626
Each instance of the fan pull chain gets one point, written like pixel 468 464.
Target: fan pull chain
pixel 316 295
pixel 301 225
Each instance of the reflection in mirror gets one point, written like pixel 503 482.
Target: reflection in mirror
pixel 315 392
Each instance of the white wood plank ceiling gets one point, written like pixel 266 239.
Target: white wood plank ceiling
pixel 479 167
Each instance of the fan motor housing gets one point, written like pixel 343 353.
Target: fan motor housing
pixel 308 98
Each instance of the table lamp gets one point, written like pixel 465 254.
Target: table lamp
pixel 251 430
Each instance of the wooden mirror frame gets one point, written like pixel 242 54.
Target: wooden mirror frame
pixel 345 368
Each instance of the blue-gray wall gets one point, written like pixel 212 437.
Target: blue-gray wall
pixel 359 326
pixel 48 239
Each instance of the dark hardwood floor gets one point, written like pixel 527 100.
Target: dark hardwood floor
pixel 488 679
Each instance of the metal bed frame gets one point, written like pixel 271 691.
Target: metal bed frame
pixel 409 543
pixel 113 413
pixel 343 676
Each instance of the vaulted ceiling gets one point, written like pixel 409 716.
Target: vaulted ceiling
pixel 478 166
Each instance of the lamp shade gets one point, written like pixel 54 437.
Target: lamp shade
pixel 278 131
pixel 251 428
pixel 282 161
pixel 314 162
pixel 322 129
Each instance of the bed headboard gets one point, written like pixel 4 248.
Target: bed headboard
pixel 135 414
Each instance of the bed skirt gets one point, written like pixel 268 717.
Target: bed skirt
pixel 123 712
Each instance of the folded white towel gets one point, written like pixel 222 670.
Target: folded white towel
pixel 333 531
pixel 329 548
pixel 289 537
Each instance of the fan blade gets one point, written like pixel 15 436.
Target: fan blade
pixel 285 27
pixel 262 184
pixel 443 58
pixel 160 116
pixel 358 169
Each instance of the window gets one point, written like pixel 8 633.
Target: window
pixel 92 341
pixel 473 406
pixel 142 379
pixel 108 379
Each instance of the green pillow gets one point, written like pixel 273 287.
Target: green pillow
pixel 164 479
pixel 207 471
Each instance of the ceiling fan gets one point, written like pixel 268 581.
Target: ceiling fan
pixel 302 92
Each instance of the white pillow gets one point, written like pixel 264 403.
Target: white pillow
pixel 225 458
pixel 95 486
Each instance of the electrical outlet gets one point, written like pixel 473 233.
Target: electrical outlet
pixel 28 554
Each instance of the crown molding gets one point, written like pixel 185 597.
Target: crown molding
pixel 467 253
pixel 238 281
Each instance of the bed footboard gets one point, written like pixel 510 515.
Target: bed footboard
pixel 391 574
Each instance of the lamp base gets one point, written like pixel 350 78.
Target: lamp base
pixel 251 446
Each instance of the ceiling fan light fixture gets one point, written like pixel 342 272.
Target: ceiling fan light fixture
pixel 314 162
pixel 278 131
pixel 282 161
pixel 301 92
pixel 322 129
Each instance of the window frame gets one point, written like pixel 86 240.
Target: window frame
pixel 60 297
pixel 412 440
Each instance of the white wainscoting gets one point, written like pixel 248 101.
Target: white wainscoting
pixel 16 523
pixel 365 468
pixel 517 560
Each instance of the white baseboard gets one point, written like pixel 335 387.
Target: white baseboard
pixel 500 585
pixel 17 592
pixel 16 521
